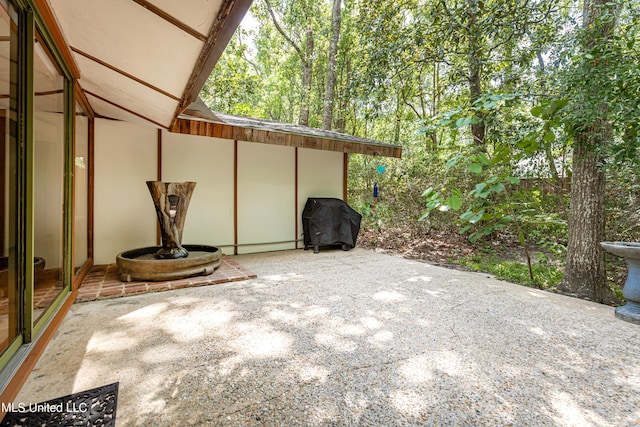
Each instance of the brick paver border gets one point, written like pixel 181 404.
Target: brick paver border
pixel 103 281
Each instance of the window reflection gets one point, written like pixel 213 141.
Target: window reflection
pixel 9 295
pixel 48 179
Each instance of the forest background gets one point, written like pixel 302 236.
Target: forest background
pixel 518 121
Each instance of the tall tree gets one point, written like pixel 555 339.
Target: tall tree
pixel 479 37
pixel 329 94
pixel 306 54
pixel 475 58
pixel 585 275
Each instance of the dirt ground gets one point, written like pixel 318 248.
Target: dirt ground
pixel 437 247
pixel 443 248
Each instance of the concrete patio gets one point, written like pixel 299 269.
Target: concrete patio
pixel 349 338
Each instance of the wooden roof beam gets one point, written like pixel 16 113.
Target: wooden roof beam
pixel 228 19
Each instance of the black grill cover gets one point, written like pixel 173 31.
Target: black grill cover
pixel 329 222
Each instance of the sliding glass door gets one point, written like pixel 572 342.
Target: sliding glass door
pixel 10 297
pixel 40 165
pixel 48 178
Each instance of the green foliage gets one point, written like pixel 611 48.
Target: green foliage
pixel 488 207
pixel 233 85
pixel 547 276
pixel 483 214
pixel 404 75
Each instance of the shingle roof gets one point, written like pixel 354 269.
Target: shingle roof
pixel 198 119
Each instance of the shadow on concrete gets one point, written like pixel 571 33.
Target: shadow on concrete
pixel 352 338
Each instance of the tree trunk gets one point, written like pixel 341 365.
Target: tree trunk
pixel 307 74
pixel 474 58
pixel 171 200
pixel 343 101
pixel 478 130
pixel 306 58
pixel 585 275
pixel 435 103
pixel 329 94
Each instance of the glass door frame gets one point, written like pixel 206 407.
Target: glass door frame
pixel 82 102
pixel 21 227
pixel 40 29
pixel 30 23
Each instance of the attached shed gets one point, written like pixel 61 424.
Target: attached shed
pixel 253 178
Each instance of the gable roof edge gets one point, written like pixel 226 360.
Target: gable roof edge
pixel 199 120
pixel 229 17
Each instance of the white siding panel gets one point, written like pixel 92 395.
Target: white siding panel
pixel 320 174
pixel 125 158
pixel 266 196
pixel 209 163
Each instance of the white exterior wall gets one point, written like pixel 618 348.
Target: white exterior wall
pixel 268 206
pixel 209 163
pixel 266 197
pixel 124 216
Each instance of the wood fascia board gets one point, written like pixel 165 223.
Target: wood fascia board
pixel 58 37
pixel 228 19
pixel 225 131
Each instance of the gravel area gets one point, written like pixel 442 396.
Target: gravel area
pixel 349 338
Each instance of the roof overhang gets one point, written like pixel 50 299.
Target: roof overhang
pixel 142 60
pixel 198 119
pixel 145 61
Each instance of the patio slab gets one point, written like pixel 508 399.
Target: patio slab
pixel 349 338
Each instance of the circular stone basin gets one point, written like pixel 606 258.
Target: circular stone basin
pixel 628 250
pixel 142 265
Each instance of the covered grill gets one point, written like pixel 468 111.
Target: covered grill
pixel 329 222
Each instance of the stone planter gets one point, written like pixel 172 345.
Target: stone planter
pixel 142 264
pixel 172 260
pixel 630 251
